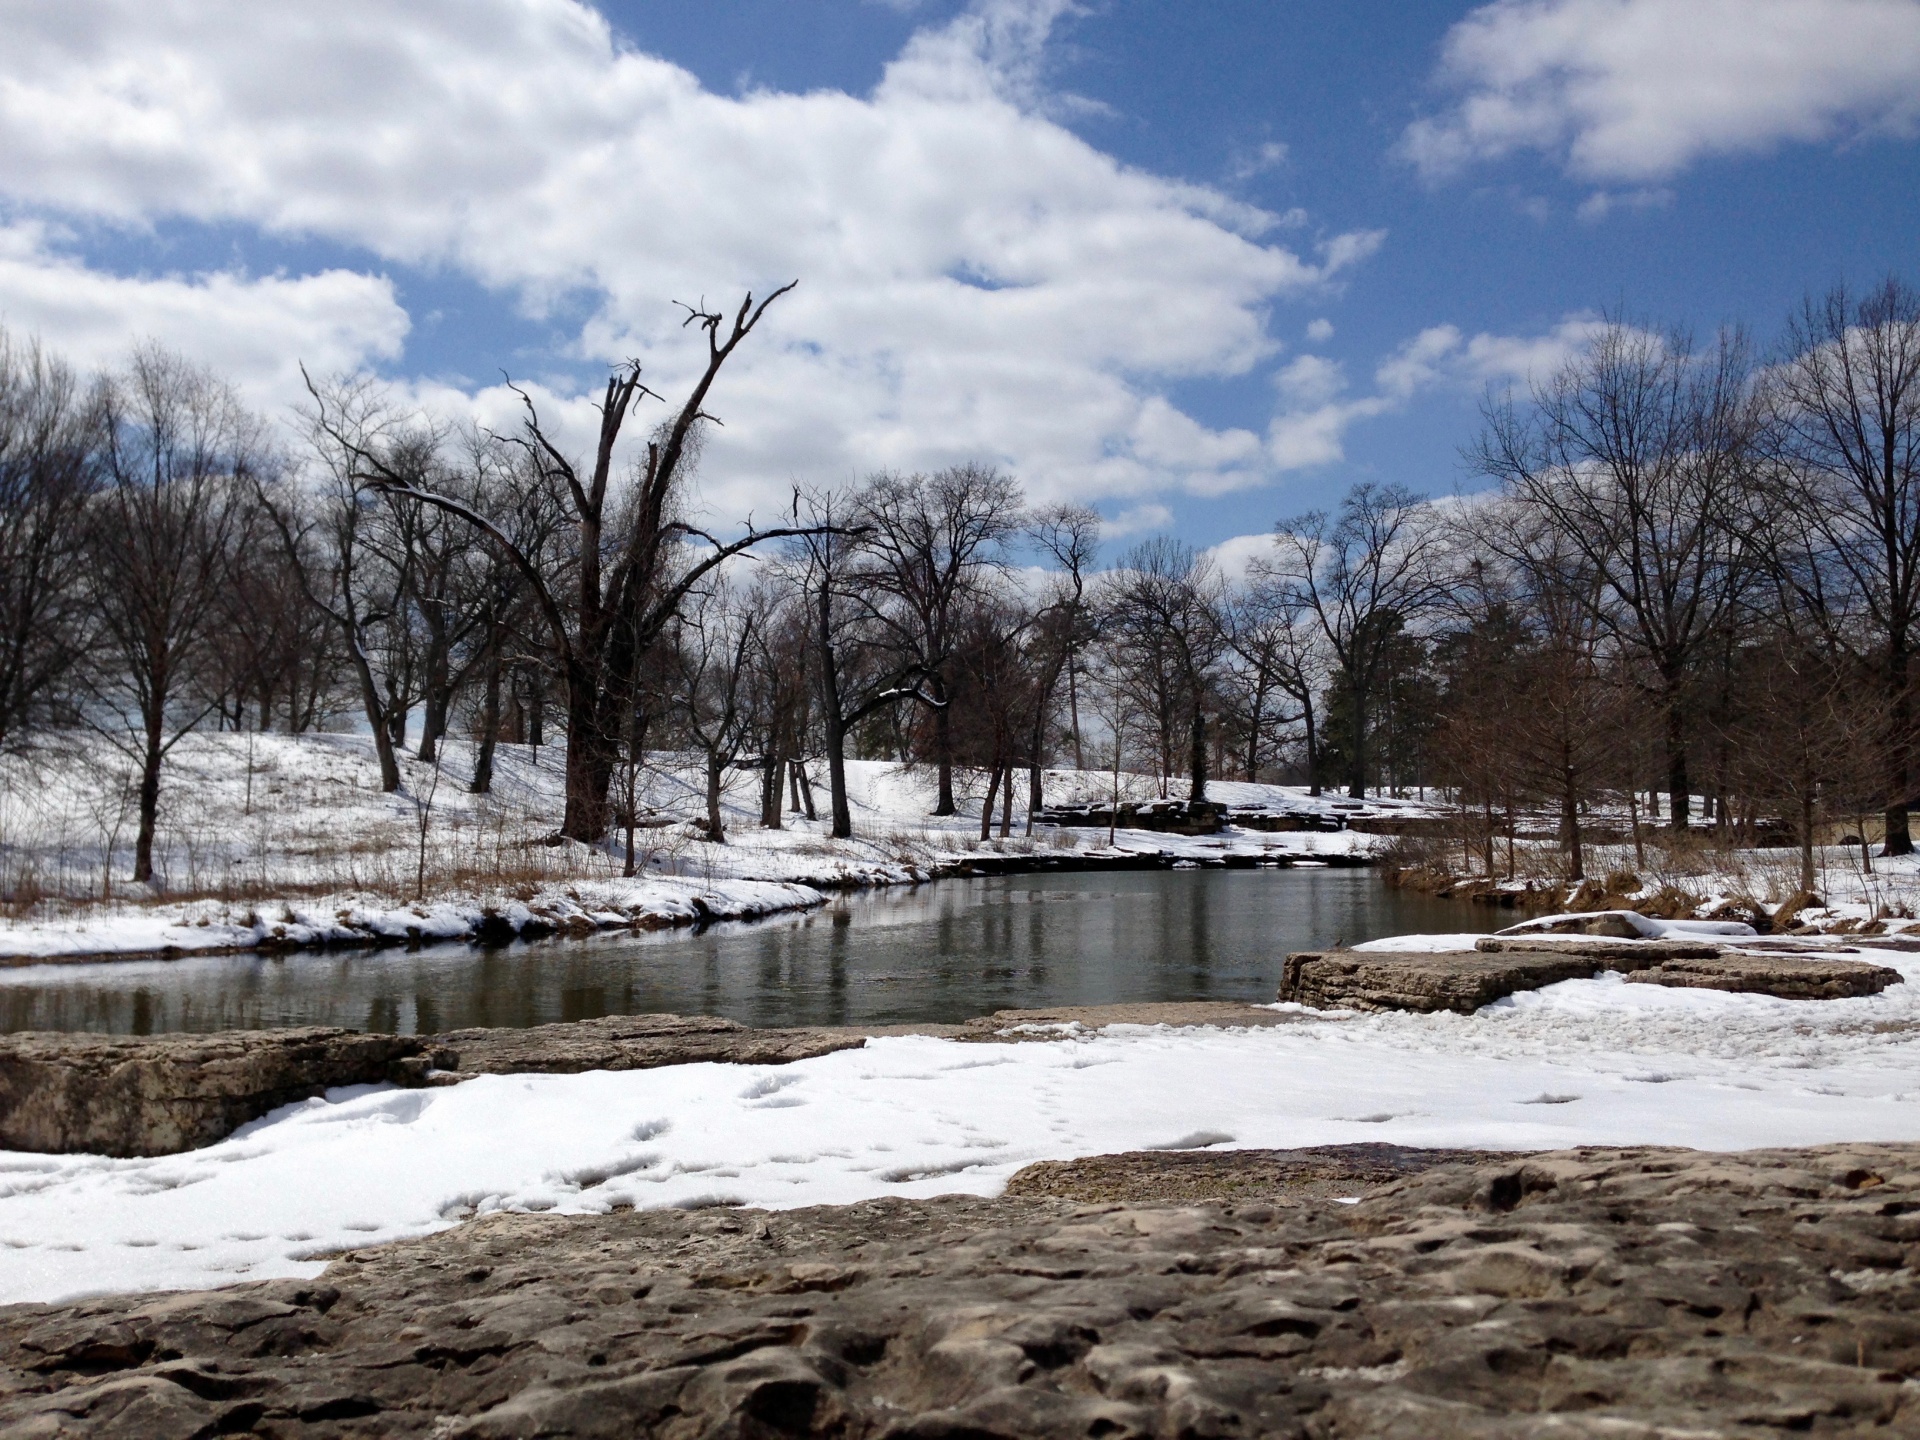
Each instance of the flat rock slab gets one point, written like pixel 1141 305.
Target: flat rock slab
pixel 1462 980
pixel 1788 977
pixel 1459 980
pixel 1055 1023
pixel 156 1095
pixel 1186 1177
pixel 1624 955
pixel 1621 1293
pixel 624 1042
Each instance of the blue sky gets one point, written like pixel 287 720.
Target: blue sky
pixel 1087 241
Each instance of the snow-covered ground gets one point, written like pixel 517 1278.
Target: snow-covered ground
pixel 289 838
pixel 1587 1061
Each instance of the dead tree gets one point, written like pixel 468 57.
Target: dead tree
pixel 624 580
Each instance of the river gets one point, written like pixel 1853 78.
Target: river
pixel 940 952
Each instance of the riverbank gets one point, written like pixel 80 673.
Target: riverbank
pixel 283 842
pixel 1694 880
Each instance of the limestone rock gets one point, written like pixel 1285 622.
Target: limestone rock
pixel 1184 1177
pixel 1607 953
pixel 1619 1293
pixel 1790 977
pixel 157 1095
pixel 626 1042
pixel 1461 980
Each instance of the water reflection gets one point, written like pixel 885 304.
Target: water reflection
pixel 939 953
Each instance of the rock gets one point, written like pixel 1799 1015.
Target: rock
pixel 1184 1177
pixel 625 1042
pixel 1616 924
pixel 1607 954
pixel 1790 977
pixel 1460 980
pixel 156 1095
pixel 1623 1293
pixel 1052 1024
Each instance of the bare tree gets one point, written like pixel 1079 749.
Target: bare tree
pixel 930 541
pixel 181 459
pixel 1363 574
pixel 711 644
pixel 1640 452
pixel 50 438
pixel 1845 431
pixel 855 675
pixel 1066 622
pixel 1164 603
pixel 624 578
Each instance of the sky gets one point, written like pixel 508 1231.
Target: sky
pixel 1199 266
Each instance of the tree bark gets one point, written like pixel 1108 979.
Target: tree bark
pixel 716 776
pixel 151 759
pixel 1899 836
pixel 489 733
pixel 1679 789
pixel 1197 789
pixel 942 745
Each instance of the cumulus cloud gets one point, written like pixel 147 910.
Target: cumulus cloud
pixel 1316 409
pixel 976 281
pixel 254 329
pixel 1635 90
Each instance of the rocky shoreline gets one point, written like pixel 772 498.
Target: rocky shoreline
pixel 1598 1292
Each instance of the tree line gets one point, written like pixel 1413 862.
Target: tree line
pixel 1686 570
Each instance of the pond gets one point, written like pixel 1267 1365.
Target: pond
pixel 941 952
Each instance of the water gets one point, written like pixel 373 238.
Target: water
pixel 941 952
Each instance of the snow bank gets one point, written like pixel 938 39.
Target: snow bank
pixel 1587 1061
pixel 358 920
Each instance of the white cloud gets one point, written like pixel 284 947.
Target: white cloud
pixel 1315 411
pixel 1138 520
pixel 1320 331
pixel 1234 557
pixel 975 279
pixel 1636 90
pixel 254 329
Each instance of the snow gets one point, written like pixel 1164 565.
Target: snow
pixel 1421 944
pixel 1586 1061
pixel 1649 928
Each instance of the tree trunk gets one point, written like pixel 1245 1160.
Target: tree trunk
pixel 1806 839
pixel 833 718
pixel 489 734
pixel 986 806
pixel 943 747
pixel 1899 836
pixel 716 773
pixel 1313 742
pixel 1570 828
pixel 1035 800
pixel 433 720
pixel 592 749
pixel 376 719
pixel 1197 788
pixel 770 788
pixel 150 762
pixel 1357 761
pixel 1679 801
pixel 805 782
pixel 1073 712
pixel 1006 799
